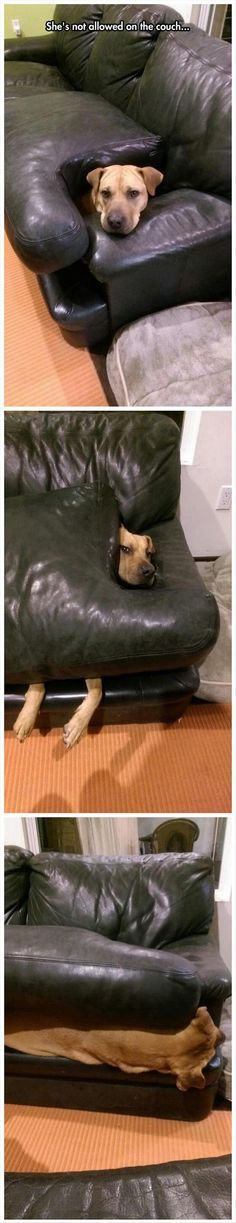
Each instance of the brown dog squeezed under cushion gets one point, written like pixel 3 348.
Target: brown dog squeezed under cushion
pixel 136 568
pixel 183 1054
pixel 119 194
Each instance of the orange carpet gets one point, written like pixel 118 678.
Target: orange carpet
pixel 183 767
pixel 64 1140
pixel 41 368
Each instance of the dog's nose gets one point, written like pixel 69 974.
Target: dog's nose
pixel 115 220
pixel 147 570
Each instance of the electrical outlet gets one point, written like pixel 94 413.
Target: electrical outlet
pixel 16 27
pixel 225 497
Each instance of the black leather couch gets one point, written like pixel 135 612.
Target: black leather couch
pixel 80 99
pixel 70 478
pixel 110 942
pixel 203 1187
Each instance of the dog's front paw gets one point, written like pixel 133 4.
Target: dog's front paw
pixel 24 724
pixel 73 730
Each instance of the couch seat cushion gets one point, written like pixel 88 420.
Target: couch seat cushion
pixel 67 615
pixel 173 222
pixel 23 77
pixel 180 252
pixel 82 976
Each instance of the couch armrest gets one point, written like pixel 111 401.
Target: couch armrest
pixel 86 978
pixel 50 147
pixel 40 50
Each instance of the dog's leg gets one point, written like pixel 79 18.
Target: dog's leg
pixel 28 714
pixel 81 718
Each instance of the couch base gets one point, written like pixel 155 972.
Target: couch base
pixel 62 1083
pixel 202 1186
pixel 162 697
pixel 78 303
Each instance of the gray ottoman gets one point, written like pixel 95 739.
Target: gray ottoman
pixel 178 358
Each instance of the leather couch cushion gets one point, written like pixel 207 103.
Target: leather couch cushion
pixel 66 613
pixel 79 975
pixel 177 83
pixel 202 952
pixel 138 458
pixel 148 901
pixel 84 131
pixel 201 1187
pixel 180 252
pixel 173 223
pixel 16 885
pixel 60 578
pixel 23 78
pixel 107 62
pixel 187 86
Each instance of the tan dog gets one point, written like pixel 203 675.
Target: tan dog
pixel 120 194
pixel 183 1054
pixel 136 568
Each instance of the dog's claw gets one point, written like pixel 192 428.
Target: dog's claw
pixel 23 725
pixel 72 731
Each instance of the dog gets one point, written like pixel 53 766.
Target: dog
pixel 137 567
pixel 119 194
pixel 183 1054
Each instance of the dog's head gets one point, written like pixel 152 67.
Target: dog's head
pixel 120 193
pixel 203 1039
pixel 137 559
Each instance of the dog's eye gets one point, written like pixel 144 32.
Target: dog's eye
pixel 150 554
pixel 106 193
pixel 124 549
pixel 131 193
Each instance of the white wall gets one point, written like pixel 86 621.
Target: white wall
pixel 183 9
pixel 207 530
pixel 14 831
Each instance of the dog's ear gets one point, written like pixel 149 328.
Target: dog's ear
pixel 152 178
pixel 150 544
pixel 94 177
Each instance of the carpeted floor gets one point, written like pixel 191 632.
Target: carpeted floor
pixel 41 368
pixel 185 766
pixel 63 1140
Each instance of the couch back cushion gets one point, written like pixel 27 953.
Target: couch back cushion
pixel 107 61
pixel 148 901
pixel 177 83
pixel 137 455
pixel 185 91
pixel 17 882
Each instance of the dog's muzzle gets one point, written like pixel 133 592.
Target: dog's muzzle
pixel 116 223
pixel 147 574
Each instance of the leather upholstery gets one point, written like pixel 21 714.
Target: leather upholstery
pixel 159 98
pixel 122 899
pixel 99 904
pixel 202 1186
pixel 147 697
pixel 62 548
pixel 79 974
pixel 138 457
pixel 96 940
pixel 16 889
pixel 53 234
pixel 49 1081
